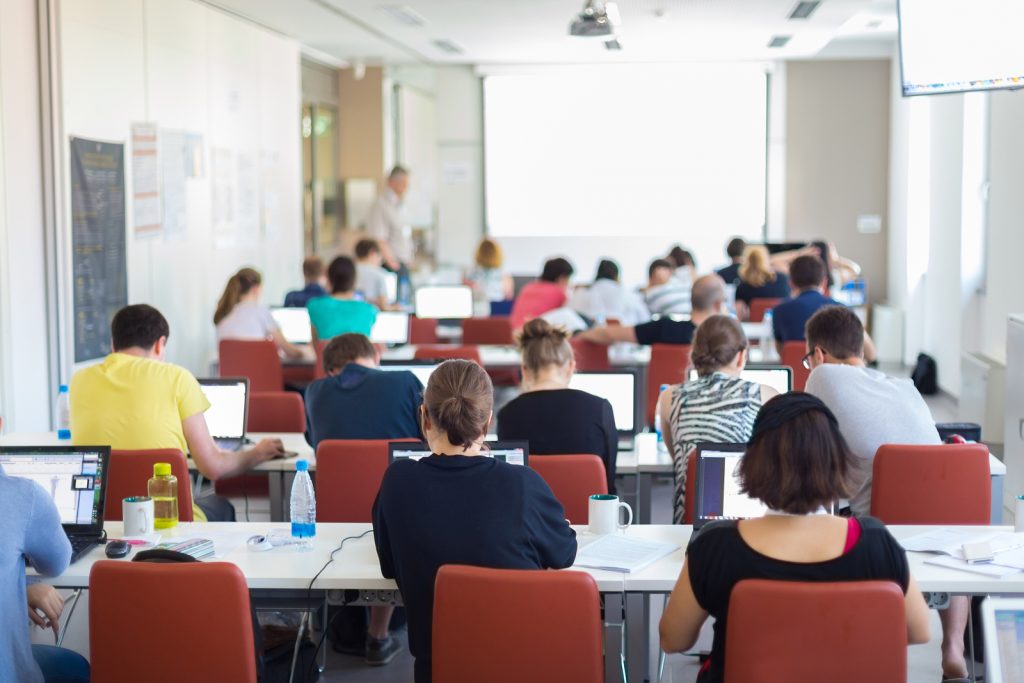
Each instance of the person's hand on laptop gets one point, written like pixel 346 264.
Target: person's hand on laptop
pixel 268 449
pixel 45 606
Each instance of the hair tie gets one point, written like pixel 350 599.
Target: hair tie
pixel 785 407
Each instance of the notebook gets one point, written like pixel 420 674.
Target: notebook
pixel 622 389
pixel 616 553
pixel 718 488
pixel 512 452
pixel 778 377
pixel 294 324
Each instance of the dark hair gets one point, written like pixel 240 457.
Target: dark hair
pixel 397 171
pixel 607 270
pixel 365 247
pixel 837 330
pixel 342 274
pixel 806 271
pixel 681 257
pixel 238 286
pixel 717 341
pixel 345 349
pixel 312 267
pixel 138 325
pixel 736 247
pixel 825 253
pixel 656 264
pixel 458 398
pixel 799 464
pixel 542 344
pixel 556 268
pixel 707 292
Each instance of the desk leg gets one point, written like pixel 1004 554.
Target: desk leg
pixel 644 482
pixel 276 488
pixel 637 637
pixel 613 632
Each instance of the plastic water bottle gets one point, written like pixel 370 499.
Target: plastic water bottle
pixel 662 448
pixel 303 504
pixel 768 351
pixel 163 489
pixel 63 414
pixel 404 288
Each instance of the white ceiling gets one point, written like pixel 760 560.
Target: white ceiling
pixel 536 31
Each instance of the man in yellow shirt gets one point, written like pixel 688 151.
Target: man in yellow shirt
pixel 135 400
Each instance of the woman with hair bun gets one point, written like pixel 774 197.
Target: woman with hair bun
pixel 241 315
pixel 555 419
pixel 458 506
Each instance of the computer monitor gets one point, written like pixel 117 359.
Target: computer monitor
pixel 392 327
pixel 1002 623
pixel 512 452
pixel 718 487
pixel 778 377
pixel 73 476
pixel 621 388
pixel 422 369
pixel 444 302
pixel 294 324
pixel 229 406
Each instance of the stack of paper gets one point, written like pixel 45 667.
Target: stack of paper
pixel 621 554
pixel 1007 549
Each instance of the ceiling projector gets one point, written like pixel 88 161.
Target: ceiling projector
pixel 597 20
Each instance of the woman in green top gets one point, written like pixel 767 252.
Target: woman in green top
pixel 341 312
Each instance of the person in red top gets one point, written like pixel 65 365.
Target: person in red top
pixel 545 294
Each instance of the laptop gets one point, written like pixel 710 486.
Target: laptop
pixel 447 303
pixel 778 377
pixel 392 328
pixel 294 324
pixel 229 410
pixel 75 478
pixel 422 369
pixel 512 452
pixel 1002 623
pixel 621 387
pixel 718 489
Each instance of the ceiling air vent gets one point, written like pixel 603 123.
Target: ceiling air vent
pixel 445 45
pixel 778 41
pixel 804 9
pixel 404 15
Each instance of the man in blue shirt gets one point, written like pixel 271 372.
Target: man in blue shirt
pixel 313 272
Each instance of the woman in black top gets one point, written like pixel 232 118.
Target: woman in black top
pixel 456 507
pixel 797 463
pixel 555 419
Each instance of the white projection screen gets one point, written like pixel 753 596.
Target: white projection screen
pixel 624 161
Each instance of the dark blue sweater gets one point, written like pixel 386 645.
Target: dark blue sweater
pixel 363 403
pixel 471 510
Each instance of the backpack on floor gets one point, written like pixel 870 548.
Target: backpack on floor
pixel 926 374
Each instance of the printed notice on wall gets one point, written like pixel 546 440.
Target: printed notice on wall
pixel 173 168
pixel 145 181
pixel 98 261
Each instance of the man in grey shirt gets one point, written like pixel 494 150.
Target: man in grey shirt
pixel 874 409
pixel 387 224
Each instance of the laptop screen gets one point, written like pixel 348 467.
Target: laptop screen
pixel 718 486
pixel 777 377
pixel 74 477
pixel 392 327
pixel 619 388
pixel 294 324
pixel 444 302
pixel 422 371
pixel 512 452
pixel 229 400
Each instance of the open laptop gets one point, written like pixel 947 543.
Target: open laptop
pixel 512 452
pixel 718 488
pixel 422 369
pixel 392 328
pixel 294 324
pixel 778 377
pixel 1002 622
pixel 621 387
pixel 229 410
pixel 75 478
pixel 447 303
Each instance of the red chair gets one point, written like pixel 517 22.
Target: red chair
pixel 422 331
pixel 793 353
pixel 940 484
pixel 129 472
pixel 348 476
pixel 573 479
pixel 590 356
pixel 840 632
pixel 758 307
pixel 669 363
pixel 318 367
pixel 513 625
pixel 276 412
pixel 448 352
pixel 257 360
pixel 142 613
pixel 497 331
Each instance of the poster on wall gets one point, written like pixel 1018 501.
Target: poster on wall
pixel 145 181
pixel 173 167
pixel 98 261
pixel 223 173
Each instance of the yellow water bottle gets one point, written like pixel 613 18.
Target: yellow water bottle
pixel 163 489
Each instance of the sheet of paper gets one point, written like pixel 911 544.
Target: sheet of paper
pixel 622 554
pixel 983 568
pixel 950 541
pixel 145 180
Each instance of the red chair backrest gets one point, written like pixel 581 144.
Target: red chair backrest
pixel 513 625
pixel 940 484
pixel 841 632
pixel 758 307
pixel 669 363
pixel 793 353
pixel 487 331
pixel 690 488
pixel 573 479
pixel 318 367
pixel 276 411
pixel 590 356
pixel 140 612
pixel 129 472
pixel 348 476
pixel 257 360
pixel 447 352
pixel 422 330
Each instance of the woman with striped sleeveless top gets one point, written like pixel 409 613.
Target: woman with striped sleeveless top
pixel 718 407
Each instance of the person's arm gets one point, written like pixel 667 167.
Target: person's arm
pixel 870 354
pixel 546 526
pixel 680 624
pixel 918 631
pixel 611 443
pixel 46 545
pixel 381 538
pixel 607 336
pixel 665 411
pixel 780 260
pixel 45 605
pixel 289 349
pixel 216 464
pixel 508 286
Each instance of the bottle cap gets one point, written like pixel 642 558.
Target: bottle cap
pixel 63 388
pixel 161 469
pixel 301 466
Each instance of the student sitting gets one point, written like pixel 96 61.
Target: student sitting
pixel 545 294
pixel 707 299
pixel 371 278
pixel 685 265
pixel 555 419
pixel 459 506
pixel 341 312
pixel 607 298
pixel 489 282
pixel 758 280
pixel 313 272
pixel 133 400
pixel 797 463
pixel 240 315
pixel 665 295
pixel 734 250
pixel 719 406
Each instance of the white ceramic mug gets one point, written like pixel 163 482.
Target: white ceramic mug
pixel 604 514
pixel 1018 515
pixel 137 513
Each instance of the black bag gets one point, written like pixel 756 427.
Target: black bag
pixel 926 374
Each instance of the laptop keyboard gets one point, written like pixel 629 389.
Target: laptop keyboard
pixel 80 545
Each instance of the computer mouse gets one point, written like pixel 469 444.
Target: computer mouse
pixel 118 549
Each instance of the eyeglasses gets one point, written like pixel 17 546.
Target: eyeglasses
pixel 806 360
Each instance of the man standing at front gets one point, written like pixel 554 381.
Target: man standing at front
pixel 387 224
